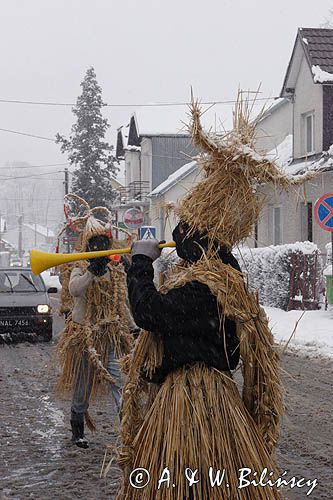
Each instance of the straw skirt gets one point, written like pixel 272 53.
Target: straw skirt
pixel 198 421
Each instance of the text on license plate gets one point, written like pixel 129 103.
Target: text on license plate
pixel 14 322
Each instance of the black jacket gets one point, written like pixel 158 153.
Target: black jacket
pixel 186 319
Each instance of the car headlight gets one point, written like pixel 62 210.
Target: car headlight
pixel 43 308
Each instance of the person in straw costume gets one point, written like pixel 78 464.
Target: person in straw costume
pixel 97 332
pixel 182 409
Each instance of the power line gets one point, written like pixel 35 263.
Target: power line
pixel 8 167
pixel 28 135
pixel 33 198
pixel 36 176
pixel 133 105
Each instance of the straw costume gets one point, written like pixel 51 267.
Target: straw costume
pixel 97 332
pixel 193 416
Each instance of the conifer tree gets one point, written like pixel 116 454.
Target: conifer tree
pixel 87 149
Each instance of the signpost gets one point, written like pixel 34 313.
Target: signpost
pixel 133 218
pixel 323 212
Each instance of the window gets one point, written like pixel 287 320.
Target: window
pixel 277 229
pixel 306 222
pixel 309 133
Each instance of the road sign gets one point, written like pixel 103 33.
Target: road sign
pixel 323 211
pixel 133 218
pixel 147 232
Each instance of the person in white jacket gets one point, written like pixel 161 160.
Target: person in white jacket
pixel 97 332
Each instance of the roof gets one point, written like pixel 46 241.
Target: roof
pixel 42 230
pixel 121 141
pixel 282 155
pixel 174 178
pixel 161 120
pixel 154 121
pixel 278 103
pixel 317 45
pixel 116 184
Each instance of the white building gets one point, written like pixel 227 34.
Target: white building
pixel 175 187
pixel 299 129
pixel 150 157
pixel 31 236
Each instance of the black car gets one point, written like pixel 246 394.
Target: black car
pixel 25 311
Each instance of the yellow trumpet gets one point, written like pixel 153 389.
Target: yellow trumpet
pixel 40 261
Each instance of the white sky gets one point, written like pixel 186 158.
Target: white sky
pixel 142 51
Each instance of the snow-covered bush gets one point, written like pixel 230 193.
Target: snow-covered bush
pixel 286 276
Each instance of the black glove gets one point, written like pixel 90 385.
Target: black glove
pixel 98 266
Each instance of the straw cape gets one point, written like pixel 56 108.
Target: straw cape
pixel 106 325
pixel 197 418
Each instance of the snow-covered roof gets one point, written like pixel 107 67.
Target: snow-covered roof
pixel 321 76
pixel 8 245
pixel 316 44
pixel 276 104
pixel 283 155
pixel 161 120
pixel 178 175
pixel 116 183
pixel 323 162
pixel 43 230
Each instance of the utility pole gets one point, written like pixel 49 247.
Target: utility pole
pixel 20 253
pixel 66 183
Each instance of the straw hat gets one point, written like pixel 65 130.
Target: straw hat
pixel 87 222
pixel 225 204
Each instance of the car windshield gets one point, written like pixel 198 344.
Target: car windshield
pixel 16 281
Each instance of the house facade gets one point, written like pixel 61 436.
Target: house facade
pixel 170 192
pixel 29 236
pixel 298 131
pixel 149 159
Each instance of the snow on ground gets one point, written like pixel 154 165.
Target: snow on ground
pixel 314 332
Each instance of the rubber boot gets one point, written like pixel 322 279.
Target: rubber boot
pixel 78 433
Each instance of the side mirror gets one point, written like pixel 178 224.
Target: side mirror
pixel 53 289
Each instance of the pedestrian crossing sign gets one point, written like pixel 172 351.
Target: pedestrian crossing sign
pixel 147 232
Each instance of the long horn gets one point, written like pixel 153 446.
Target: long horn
pixel 40 261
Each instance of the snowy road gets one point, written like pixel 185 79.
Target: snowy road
pixel 37 460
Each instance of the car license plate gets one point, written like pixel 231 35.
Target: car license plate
pixel 14 322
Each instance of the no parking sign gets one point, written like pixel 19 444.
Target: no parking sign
pixel 323 212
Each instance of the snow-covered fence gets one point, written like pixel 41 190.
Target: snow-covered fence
pixel 286 276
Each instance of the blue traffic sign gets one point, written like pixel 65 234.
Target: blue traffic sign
pixel 147 232
pixel 323 211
